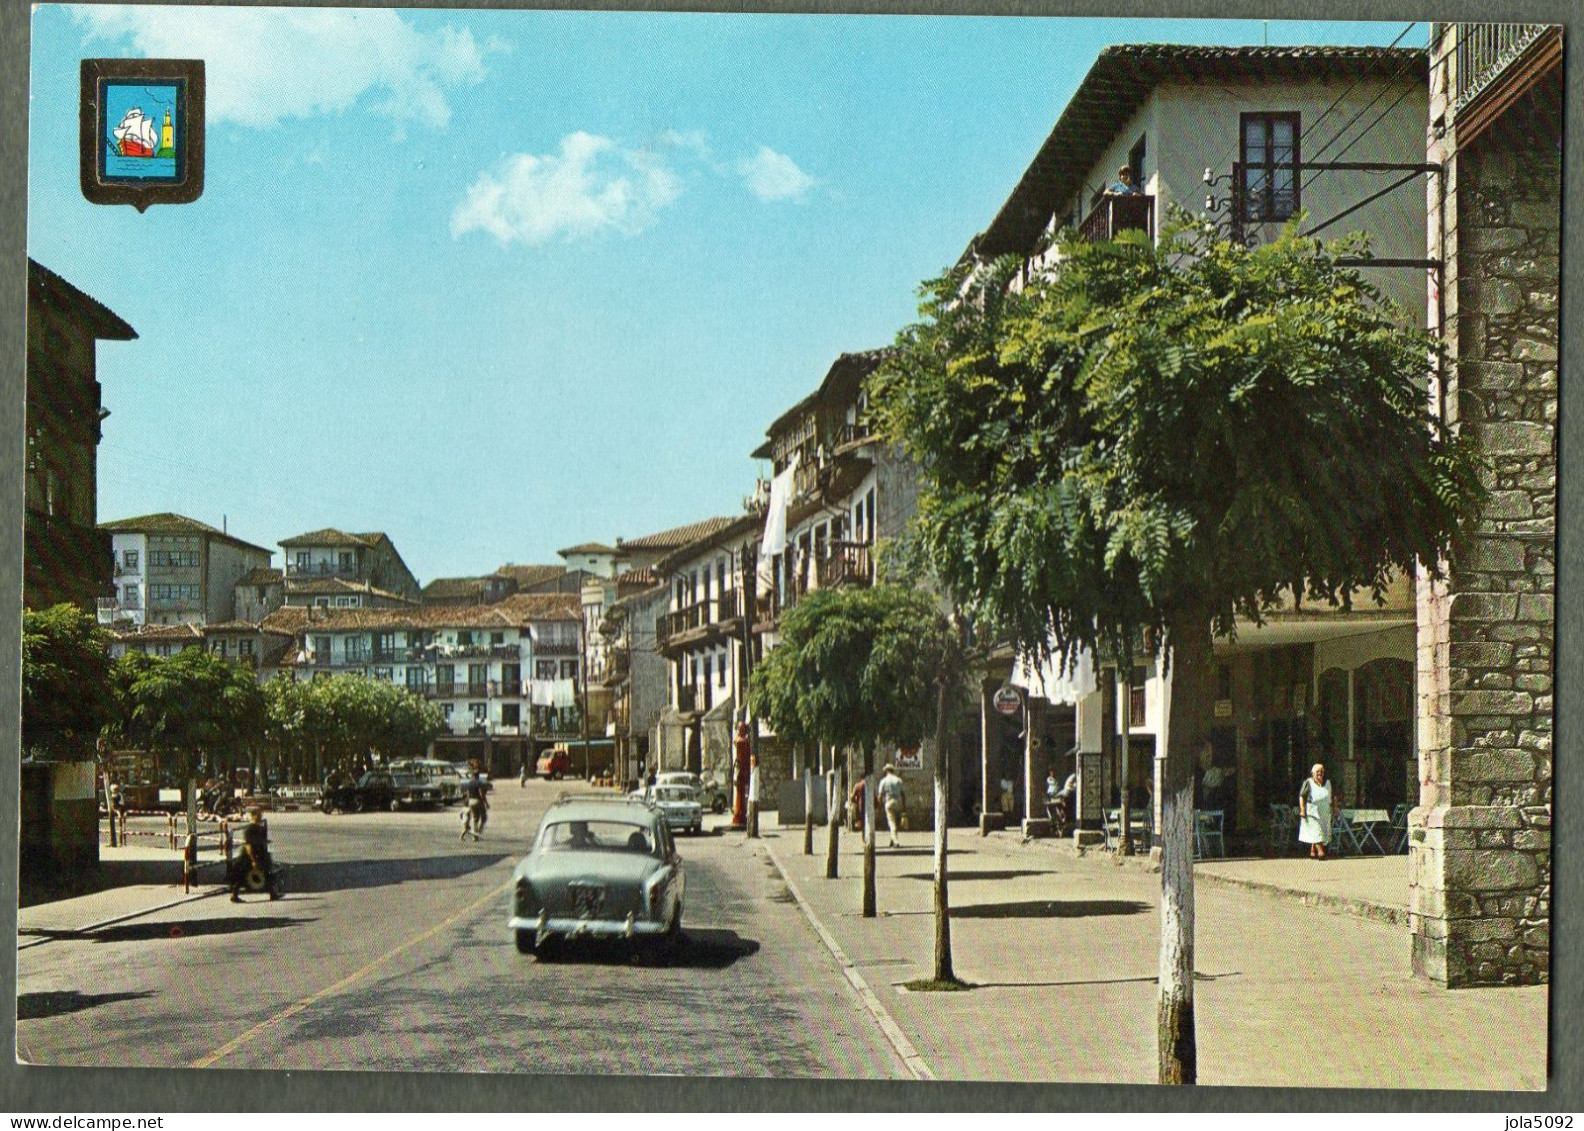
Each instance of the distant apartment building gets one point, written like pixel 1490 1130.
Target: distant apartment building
pixel 170 569
pixel 635 672
pixel 339 593
pixel 327 554
pixel 260 592
pixel 507 581
pixel 65 557
pixel 505 676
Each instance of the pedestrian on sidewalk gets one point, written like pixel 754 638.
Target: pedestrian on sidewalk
pixel 855 806
pixel 891 795
pixel 1315 805
pixel 476 810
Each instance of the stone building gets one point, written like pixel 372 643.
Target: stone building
pixel 1480 837
pixel 171 569
pixel 332 553
pixel 65 558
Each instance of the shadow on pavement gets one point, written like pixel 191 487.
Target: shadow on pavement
pixel 53 1003
pixel 1051 909
pixel 150 932
pixel 701 949
pixel 344 875
pixel 1150 978
pixel 959 877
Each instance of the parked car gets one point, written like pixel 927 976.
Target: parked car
pixel 601 866
pixel 554 763
pixel 444 775
pixel 711 793
pixel 464 771
pixel 381 789
pixel 681 805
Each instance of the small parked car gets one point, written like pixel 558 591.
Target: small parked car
pixel 443 775
pixel 711 793
pixel 681 806
pixel 381 789
pixel 601 866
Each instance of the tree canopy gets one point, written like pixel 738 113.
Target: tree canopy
pixel 1147 429
pixel 194 704
pixel 854 667
pixel 66 700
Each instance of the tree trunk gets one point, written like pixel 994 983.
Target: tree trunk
pixel 808 812
pixel 943 948
pixel 833 794
pixel 869 835
pixel 1188 636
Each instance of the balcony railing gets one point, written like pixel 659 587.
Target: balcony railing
pixel 484 651
pixel 845 563
pixel 853 433
pixel 1119 213
pixel 320 569
pixel 509 689
pixel 555 647
pixel 700 615
pixel 1484 50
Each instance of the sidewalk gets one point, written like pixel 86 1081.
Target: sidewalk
pixel 136 880
pixel 1062 951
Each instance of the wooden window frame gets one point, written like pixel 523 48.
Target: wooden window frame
pixel 1266 213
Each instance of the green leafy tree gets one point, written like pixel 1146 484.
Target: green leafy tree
pixel 855 668
pixel 66 694
pixel 193 708
pixel 347 719
pixel 1168 437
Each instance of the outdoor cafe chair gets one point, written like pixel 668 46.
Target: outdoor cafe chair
pixel 1399 826
pixel 1208 837
pixel 1344 838
pixel 1283 829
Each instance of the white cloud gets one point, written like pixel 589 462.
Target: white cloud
pixel 774 176
pixel 266 65
pixel 589 185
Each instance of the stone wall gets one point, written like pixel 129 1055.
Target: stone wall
pixel 1480 847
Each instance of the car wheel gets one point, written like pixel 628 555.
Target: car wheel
pixel 359 803
pixel 525 942
pixel 395 805
pixel 718 805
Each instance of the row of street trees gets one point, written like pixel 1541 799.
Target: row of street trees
pixel 199 714
pixel 1158 437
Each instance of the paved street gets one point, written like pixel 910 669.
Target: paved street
pixel 390 952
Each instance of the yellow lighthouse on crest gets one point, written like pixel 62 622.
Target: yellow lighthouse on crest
pixel 167 145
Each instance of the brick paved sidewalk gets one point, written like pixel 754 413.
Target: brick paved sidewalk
pixel 1062 952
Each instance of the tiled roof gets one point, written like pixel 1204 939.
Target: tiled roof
pixel 323 586
pixel 450 588
pixel 530 576
pixel 514 611
pixel 158 632
pixel 287 619
pixel 262 577
pixel 1118 83
pixel 236 626
pixel 589 548
pixel 839 385
pixel 167 523
pixel 679 536
pixel 44 286
pixel 329 536
pixel 742 524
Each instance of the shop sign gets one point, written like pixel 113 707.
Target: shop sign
pixel 1008 701
pixel 909 758
pixel 1223 709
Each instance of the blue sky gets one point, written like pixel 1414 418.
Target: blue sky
pixel 501 282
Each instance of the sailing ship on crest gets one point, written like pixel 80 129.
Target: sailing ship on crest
pixel 136 137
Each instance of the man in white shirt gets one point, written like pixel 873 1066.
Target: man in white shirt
pixel 891 795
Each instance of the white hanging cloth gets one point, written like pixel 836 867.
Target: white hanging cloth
pixel 774 540
pixel 1052 682
pixel 563 694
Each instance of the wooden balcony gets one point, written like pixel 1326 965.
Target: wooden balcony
pixel 1119 213
pixel 700 620
pixel 846 563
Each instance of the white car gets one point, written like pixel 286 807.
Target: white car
pixel 710 794
pixel 681 806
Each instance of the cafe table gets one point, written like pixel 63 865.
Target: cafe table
pixel 1367 823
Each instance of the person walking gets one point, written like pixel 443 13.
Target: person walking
pixel 476 808
pixel 1316 803
pixel 891 795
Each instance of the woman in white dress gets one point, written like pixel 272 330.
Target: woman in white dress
pixel 1314 812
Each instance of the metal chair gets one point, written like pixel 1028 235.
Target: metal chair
pixel 1344 838
pixel 1283 828
pixel 1208 837
pixel 1399 826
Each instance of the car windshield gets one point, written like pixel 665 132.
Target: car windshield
pixel 675 793
pixel 615 836
pixel 678 779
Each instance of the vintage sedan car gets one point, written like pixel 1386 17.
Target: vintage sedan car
pixel 381 789
pixel 711 793
pixel 683 810
pixel 601 866
pixel 443 775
